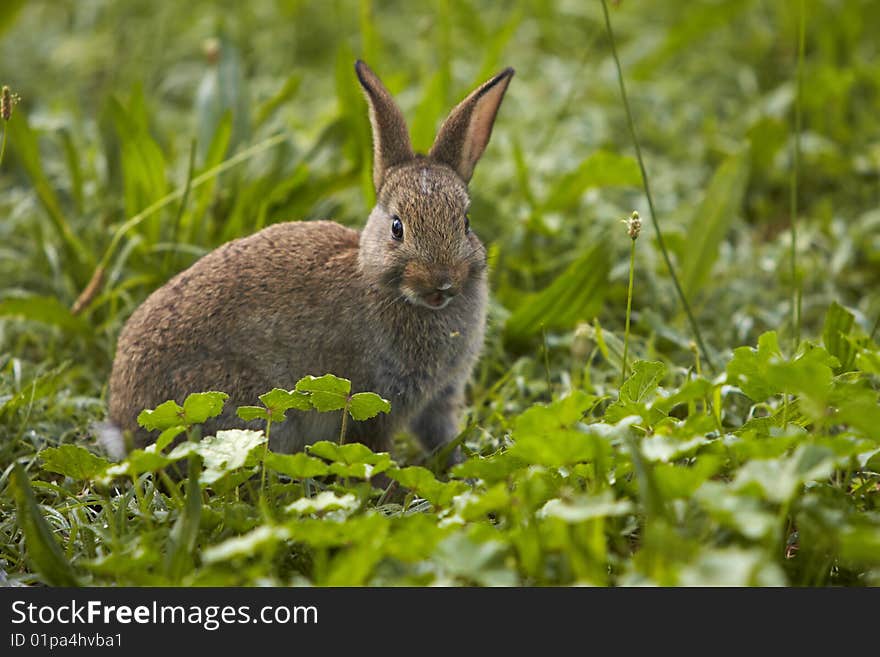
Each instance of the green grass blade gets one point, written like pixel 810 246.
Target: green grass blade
pixel 711 221
pixel 576 294
pixel 43 550
pixel 23 142
pixel 182 540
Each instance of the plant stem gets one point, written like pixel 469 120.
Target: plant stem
pixel 344 419
pixel 876 327
pixel 3 143
pixel 265 452
pixel 629 297
pixel 796 159
pixel 632 129
pixel 546 362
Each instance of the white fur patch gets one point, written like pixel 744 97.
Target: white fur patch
pixel 111 439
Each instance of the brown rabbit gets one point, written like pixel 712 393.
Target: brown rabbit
pixel 399 309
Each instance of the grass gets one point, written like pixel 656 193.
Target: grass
pixel 120 171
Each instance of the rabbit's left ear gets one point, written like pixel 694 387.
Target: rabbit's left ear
pixel 391 144
pixel 465 133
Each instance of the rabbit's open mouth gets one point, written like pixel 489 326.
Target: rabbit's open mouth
pixel 434 300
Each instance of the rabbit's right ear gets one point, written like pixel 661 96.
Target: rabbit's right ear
pixel 465 133
pixel 391 143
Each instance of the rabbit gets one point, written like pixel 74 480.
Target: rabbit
pixel 398 308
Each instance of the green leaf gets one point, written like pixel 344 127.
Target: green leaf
pixel 643 382
pixel 279 401
pixel 167 437
pixel 351 453
pixel 415 537
pixel 560 414
pixel 471 505
pixel 692 390
pixel 861 544
pixel 575 295
pixel 356 470
pixel 139 461
pixel 296 466
pixel 599 169
pixel 547 434
pixel 73 461
pixel 165 416
pixel 868 361
pixel 668 448
pixel 480 562
pixel 732 567
pixel 748 367
pixel 585 507
pixel 808 375
pixel 249 413
pixel 742 513
pixel 319 533
pixel 202 406
pixel 327 393
pixel 250 544
pixel 780 479
pixel 364 405
pixel 43 550
pixel 497 467
pixel 681 481
pixel 712 220
pixel 323 502
pixel 861 410
pixel 838 324
pixel 423 482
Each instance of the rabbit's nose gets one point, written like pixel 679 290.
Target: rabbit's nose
pixel 443 286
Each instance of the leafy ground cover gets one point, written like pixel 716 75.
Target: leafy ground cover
pixel 149 133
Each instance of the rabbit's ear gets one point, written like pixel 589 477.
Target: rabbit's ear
pixel 391 144
pixel 465 133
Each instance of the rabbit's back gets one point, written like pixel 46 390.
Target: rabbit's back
pixel 256 313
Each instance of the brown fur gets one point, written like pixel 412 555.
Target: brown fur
pixel 304 298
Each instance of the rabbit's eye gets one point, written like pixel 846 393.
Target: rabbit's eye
pixel 467 224
pixel 397 228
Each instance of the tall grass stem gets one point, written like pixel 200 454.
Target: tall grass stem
pixel 795 166
pixel 660 242
pixel 629 297
pixel 3 143
pixel 265 453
